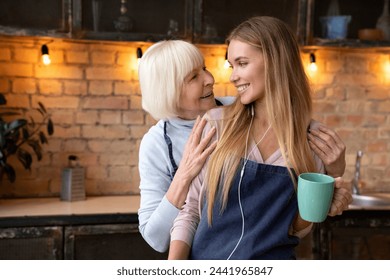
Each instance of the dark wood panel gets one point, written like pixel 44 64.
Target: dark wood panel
pixel 103 242
pixel 31 243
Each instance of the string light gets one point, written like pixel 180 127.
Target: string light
pixel 45 55
pixel 226 65
pixel 313 65
pixel 139 55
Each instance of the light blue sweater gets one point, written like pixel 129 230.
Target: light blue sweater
pixel 156 213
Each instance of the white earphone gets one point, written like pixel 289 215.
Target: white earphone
pixel 239 184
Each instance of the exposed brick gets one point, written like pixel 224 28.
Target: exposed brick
pixel 111 102
pixel 101 88
pixel 377 146
pixel 110 117
pixel 77 57
pixel 120 173
pixel 61 117
pixel 5 54
pixel 26 55
pixel 16 69
pixel 103 58
pixel 77 87
pixel 27 85
pixel 123 88
pixel 384 107
pixel 58 72
pixel 74 145
pixel 87 117
pixel 52 87
pixel 133 117
pixel 104 132
pixel 107 73
pixel 4 85
pixel 67 132
pixel 96 172
pixel 18 101
pixel 57 102
pixel 135 102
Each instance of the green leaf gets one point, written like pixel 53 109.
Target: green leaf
pixel 42 138
pixel 42 107
pixel 3 101
pixel 25 158
pixel 16 124
pixel 36 147
pixel 50 127
pixel 10 172
pixel 26 134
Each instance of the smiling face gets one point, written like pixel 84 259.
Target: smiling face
pixel 248 75
pixel 197 95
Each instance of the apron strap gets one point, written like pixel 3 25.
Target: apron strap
pixel 168 141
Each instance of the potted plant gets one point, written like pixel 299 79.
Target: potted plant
pixel 20 137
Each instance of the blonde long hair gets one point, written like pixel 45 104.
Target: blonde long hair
pixel 288 105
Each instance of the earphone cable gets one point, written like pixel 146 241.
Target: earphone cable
pixel 246 158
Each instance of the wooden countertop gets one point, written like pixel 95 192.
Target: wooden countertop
pixel 35 207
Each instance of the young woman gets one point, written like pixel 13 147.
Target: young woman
pixel 247 190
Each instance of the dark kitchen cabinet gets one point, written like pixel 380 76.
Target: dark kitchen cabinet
pixel 103 242
pixel 80 242
pixel 198 21
pixel 356 235
pixel 101 227
pixel 31 243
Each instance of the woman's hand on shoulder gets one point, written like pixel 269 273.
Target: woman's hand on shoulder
pixel 196 152
pixel 329 147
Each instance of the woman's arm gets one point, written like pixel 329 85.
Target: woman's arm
pixel 195 154
pixel 329 147
pixel 186 223
pixel 179 250
pixel 162 198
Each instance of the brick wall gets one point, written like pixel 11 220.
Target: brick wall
pixel 91 89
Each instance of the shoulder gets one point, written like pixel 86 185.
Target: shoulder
pixel 154 136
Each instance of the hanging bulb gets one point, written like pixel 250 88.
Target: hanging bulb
pixel 226 65
pixel 139 55
pixel 45 55
pixel 313 66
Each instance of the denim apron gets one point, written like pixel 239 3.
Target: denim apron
pixel 269 205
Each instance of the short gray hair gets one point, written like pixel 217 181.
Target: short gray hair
pixel 162 71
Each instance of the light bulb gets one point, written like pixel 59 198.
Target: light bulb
pixel 45 55
pixel 226 65
pixel 313 66
pixel 139 55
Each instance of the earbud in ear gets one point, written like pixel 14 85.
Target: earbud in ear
pixel 252 111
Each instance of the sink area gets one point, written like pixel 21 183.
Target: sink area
pixel 372 201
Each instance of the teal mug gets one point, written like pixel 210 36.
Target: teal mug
pixel 315 193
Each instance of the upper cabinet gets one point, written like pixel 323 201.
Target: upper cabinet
pixel 347 23
pixel 198 21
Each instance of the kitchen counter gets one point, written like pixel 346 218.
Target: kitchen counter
pixel 104 227
pixel 53 211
